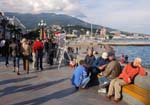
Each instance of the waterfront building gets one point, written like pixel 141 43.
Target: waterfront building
pixel 18 24
pixel 116 34
pixel 103 33
pixel 14 21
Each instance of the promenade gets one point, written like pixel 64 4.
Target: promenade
pixel 49 87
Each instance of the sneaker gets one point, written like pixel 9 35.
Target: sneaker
pixel 116 100
pixel 77 88
pixel 18 73
pixel 102 90
pixel 108 97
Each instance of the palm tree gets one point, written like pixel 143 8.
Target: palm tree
pixel 11 29
pixel 18 32
pixel 4 22
pixel 14 30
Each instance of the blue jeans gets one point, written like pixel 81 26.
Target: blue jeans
pixel 16 61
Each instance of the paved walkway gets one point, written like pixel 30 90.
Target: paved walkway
pixel 49 87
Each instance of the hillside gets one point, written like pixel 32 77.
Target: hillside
pixel 32 20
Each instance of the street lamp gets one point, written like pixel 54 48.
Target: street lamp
pixel 41 25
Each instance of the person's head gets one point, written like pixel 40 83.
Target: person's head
pixel 82 62
pixel 104 55
pixel 90 53
pixel 122 55
pixel 24 40
pixel 137 62
pixel 37 39
pixel 111 56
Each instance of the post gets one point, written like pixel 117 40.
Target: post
pixel 91 30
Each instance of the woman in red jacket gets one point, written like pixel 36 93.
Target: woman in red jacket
pixel 127 75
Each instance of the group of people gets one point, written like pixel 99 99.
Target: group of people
pixel 106 72
pixel 28 51
pixel 124 59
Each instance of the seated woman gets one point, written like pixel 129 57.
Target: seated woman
pixel 89 59
pixel 126 77
pixel 79 74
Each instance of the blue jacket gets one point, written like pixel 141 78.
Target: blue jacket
pixel 78 75
pixel 99 62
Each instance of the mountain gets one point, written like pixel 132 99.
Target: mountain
pixel 32 20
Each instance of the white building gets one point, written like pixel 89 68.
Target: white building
pixel 14 21
pixel 103 33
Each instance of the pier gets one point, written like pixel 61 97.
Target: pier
pixel 94 43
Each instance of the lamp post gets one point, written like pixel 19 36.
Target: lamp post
pixel 41 25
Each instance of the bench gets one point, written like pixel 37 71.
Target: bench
pixel 138 93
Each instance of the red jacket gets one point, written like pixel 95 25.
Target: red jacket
pixel 37 45
pixel 130 72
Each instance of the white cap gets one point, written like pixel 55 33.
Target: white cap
pixel 104 55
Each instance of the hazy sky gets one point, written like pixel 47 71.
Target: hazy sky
pixel 127 15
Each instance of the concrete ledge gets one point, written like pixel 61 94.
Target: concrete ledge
pixel 131 100
pixel 142 81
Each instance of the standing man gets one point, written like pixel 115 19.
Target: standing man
pixel 6 52
pixel 38 47
pixel 15 52
pixel 26 51
pixel 51 52
pixel 46 47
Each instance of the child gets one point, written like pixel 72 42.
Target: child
pixel 79 74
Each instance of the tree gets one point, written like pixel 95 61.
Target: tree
pixel 14 30
pixel 18 32
pixel 33 34
pixel 4 22
pixel 11 29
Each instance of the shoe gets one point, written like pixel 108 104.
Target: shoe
pixel 27 72
pixel 116 100
pixel 41 69
pixel 102 90
pixel 18 73
pixel 14 71
pixel 77 88
pixel 108 97
pixel 6 66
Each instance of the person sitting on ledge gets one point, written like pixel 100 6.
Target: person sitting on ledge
pixel 112 70
pixel 89 59
pixel 98 66
pixel 126 77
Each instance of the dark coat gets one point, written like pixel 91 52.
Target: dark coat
pixel 89 60
pixel 99 62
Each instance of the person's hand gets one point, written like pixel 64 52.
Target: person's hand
pixel 129 80
pixel 102 67
pixel 139 65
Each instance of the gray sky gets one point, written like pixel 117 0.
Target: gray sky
pixel 127 15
